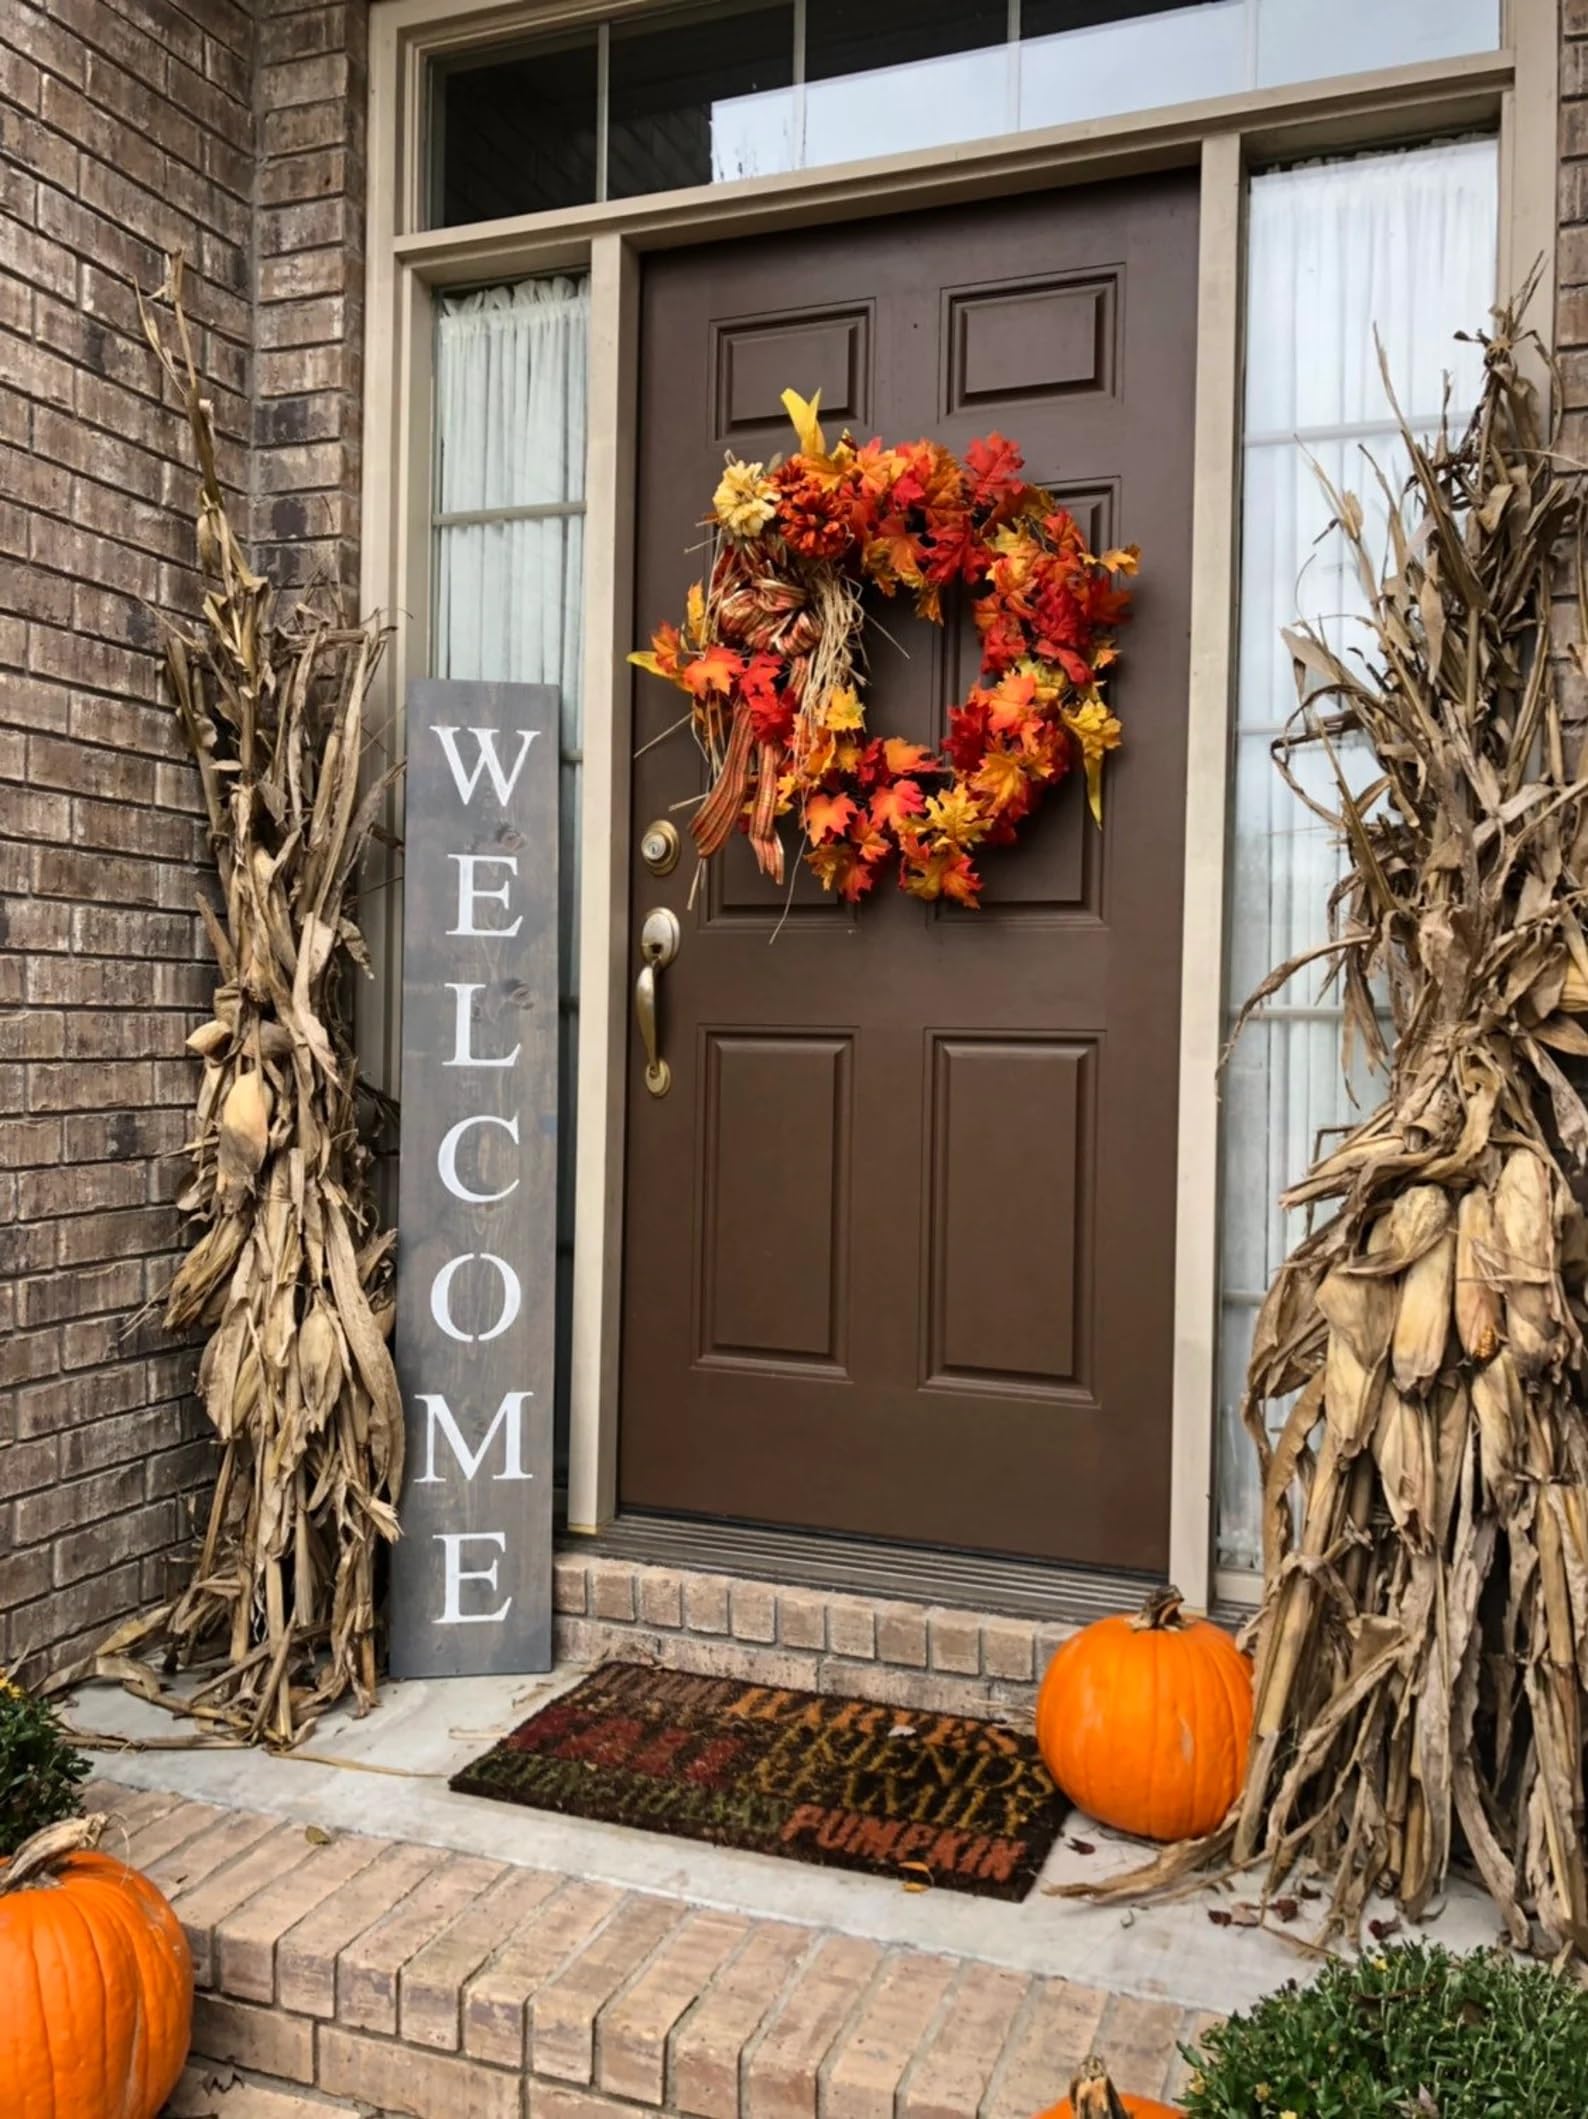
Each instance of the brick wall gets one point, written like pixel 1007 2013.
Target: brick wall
pixel 308 370
pixel 232 129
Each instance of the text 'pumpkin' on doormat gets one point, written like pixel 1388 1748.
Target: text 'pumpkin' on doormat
pixel 930 1799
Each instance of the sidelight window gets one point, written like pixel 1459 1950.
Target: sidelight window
pixel 508 553
pixel 1404 245
pixel 669 98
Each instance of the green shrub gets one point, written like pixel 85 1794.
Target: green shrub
pixel 1405 2033
pixel 39 1769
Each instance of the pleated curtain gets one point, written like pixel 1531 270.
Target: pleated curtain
pixel 510 388
pixel 1402 245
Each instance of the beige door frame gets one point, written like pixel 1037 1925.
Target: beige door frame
pixel 1513 89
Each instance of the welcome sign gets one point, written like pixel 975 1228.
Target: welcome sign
pixel 476 1261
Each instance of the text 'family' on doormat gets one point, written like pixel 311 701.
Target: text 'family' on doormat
pixel 939 1799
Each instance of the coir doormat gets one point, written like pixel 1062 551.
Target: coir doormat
pixel 938 1799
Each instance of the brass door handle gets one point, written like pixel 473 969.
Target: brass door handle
pixel 659 939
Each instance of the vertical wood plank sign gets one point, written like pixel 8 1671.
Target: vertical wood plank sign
pixel 476 1261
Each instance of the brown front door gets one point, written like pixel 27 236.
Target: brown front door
pixel 899 1243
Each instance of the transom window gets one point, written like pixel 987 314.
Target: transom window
pixel 668 100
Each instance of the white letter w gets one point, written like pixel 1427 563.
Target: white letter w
pixel 486 762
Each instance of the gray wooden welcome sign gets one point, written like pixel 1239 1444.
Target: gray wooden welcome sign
pixel 476 1261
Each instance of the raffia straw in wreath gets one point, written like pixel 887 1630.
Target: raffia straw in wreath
pixel 289 1272
pixel 1422 1647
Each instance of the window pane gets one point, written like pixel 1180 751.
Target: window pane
pixel 1403 243
pixel 1097 58
pixel 1307 40
pixel 900 74
pixel 700 99
pixel 515 135
pixel 510 431
pixel 510 384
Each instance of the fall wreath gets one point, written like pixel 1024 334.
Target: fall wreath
pixel 772 656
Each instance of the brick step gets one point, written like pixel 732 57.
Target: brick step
pixel 935 1659
pixel 417 1981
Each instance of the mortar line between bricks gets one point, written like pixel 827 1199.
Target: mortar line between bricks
pixel 723 1971
pixel 386 1913
pixel 770 2015
pixel 923 2044
pixel 620 1992
pixel 575 1952
pixel 1011 2045
pixel 204 1824
pixel 840 2037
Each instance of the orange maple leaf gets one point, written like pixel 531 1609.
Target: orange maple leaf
pixel 895 805
pixel 1010 704
pixel 827 817
pixel 1001 776
pixel 902 757
pixel 713 671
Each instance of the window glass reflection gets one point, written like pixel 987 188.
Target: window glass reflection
pixel 899 74
pixel 1092 59
pixel 518 134
pixel 1307 40
pixel 700 99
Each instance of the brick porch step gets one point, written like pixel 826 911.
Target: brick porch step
pixel 356 1971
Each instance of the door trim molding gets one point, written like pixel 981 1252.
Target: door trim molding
pixel 1514 88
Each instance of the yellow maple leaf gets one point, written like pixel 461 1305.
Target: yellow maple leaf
pixel 802 411
pixel 955 818
pixel 695 615
pixel 1123 559
pixel 844 710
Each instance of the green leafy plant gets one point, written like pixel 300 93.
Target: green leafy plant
pixel 39 1767
pixel 1407 2033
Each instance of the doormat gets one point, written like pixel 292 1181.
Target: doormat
pixel 938 1800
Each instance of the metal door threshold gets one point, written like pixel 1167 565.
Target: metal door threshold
pixel 1026 1589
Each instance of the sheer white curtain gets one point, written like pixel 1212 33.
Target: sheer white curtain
pixel 510 377
pixel 1404 243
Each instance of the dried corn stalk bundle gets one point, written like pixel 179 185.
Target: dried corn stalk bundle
pixel 1423 1643
pixel 288 1272
pixel 1422 1648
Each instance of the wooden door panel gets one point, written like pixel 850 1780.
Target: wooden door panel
pixel 773 1264
pixel 1012 1185
pixel 1016 343
pixel 753 359
pixel 899 1242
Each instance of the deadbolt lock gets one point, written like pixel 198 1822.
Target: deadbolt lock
pixel 659 847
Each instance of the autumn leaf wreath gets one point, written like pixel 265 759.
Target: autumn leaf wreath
pixel 772 658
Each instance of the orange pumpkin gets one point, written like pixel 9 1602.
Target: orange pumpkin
pixel 96 1979
pixel 1144 1722
pixel 1093 2096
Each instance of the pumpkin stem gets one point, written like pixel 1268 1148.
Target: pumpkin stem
pixel 37 1857
pixel 1092 2095
pixel 1161 1613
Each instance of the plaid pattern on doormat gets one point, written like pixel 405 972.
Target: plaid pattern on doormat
pixel 937 1799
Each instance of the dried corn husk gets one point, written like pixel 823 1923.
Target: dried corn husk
pixel 1422 1646
pixel 286 1272
pixel 1479 1305
pixel 1423 1316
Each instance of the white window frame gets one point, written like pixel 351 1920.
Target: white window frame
pixel 1513 90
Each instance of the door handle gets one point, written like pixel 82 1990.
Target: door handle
pixel 659 939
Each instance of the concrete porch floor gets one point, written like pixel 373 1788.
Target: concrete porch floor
pixel 366 1939
pixel 423 1731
